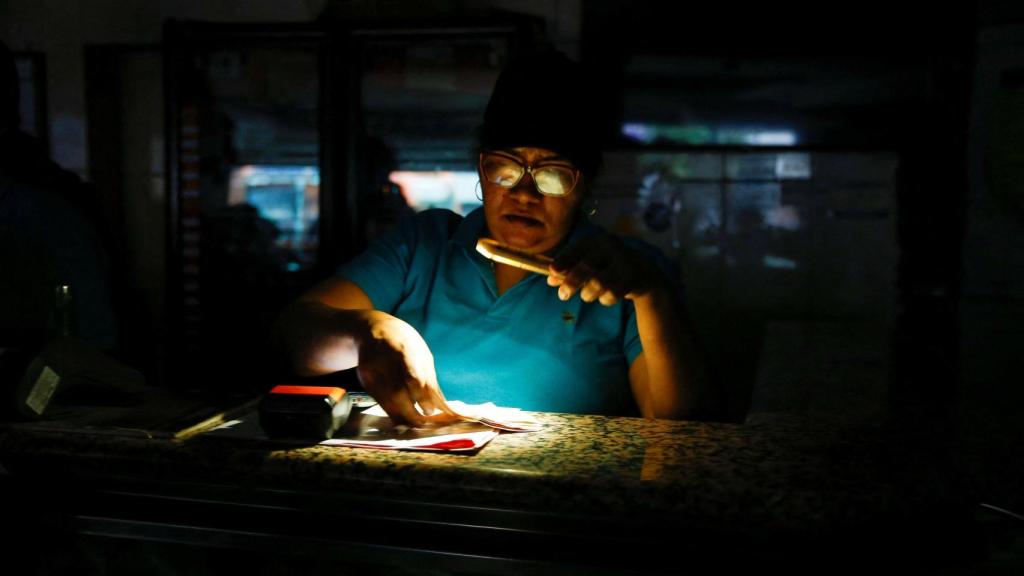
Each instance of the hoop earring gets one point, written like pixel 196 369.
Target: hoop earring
pixel 479 192
pixel 591 207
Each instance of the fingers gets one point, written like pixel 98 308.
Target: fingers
pixel 401 402
pixel 603 287
pixel 583 268
pixel 607 286
pixel 555 278
pixel 444 418
pixel 442 403
pixel 608 292
pixel 608 299
pixel 401 408
pixel 447 414
pixel 425 390
pixel 392 389
pixel 427 405
pixel 430 400
pixel 602 270
pixel 592 289
pixel 577 278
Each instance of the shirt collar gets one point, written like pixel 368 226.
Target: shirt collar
pixel 470 229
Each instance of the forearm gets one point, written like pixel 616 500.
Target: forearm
pixel 320 339
pixel 334 326
pixel 675 377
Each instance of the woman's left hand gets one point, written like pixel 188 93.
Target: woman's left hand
pixel 604 269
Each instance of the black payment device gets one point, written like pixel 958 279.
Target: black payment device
pixel 304 411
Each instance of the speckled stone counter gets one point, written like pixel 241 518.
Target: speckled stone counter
pixel 779 489
pixel 780 473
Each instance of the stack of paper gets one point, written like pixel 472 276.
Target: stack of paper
pixel 507 419
pixel 372 428
pixel 466 441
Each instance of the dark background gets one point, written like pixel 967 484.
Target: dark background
pixel 938 90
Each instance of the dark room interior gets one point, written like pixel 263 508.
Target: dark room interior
pixel 840 187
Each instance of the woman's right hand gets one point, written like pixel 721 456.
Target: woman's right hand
pixel 396 367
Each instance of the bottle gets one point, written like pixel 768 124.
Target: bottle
pixel 63 311
pixel 41 380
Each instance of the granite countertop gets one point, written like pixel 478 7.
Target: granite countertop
pixel 774 473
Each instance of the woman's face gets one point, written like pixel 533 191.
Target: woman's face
pixel 524 218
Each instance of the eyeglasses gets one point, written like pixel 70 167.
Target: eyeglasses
pixel 506 170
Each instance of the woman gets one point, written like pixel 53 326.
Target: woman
pixel 605 333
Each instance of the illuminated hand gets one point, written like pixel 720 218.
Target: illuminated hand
pixel 604 269
pixel 397 368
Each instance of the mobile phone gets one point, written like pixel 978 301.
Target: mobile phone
pixel 493 250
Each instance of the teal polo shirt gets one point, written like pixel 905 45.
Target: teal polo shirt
pixel 525 348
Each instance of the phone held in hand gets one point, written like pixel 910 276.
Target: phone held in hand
pixel 493 250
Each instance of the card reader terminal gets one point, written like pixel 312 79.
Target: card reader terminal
pixel 304 411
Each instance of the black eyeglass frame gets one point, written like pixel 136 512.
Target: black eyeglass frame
pixel 530 168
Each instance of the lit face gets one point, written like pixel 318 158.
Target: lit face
pixel 524 218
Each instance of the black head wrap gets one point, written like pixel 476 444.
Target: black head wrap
pixel 545 100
